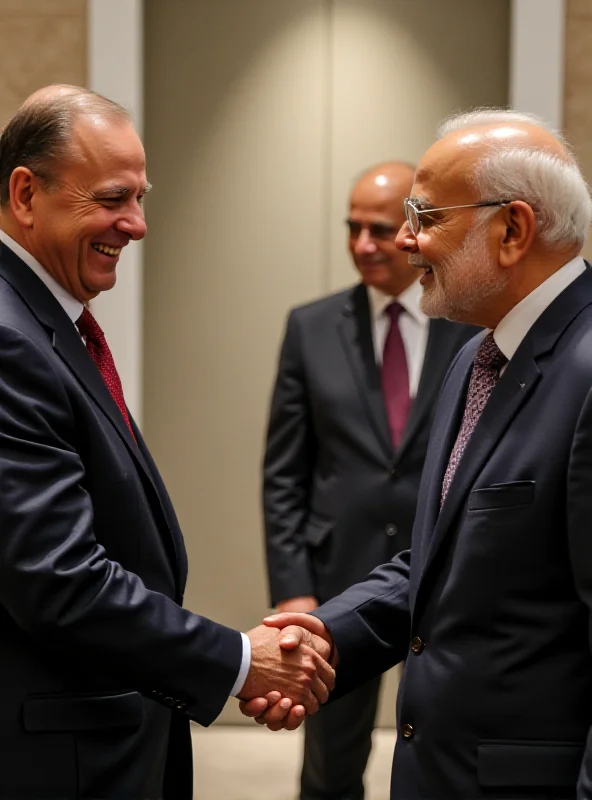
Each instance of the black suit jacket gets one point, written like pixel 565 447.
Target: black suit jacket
pixel 100 667
pixel 337 499
pixel 496 594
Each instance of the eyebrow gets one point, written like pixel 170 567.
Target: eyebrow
pixel 419 200
pixel 120 190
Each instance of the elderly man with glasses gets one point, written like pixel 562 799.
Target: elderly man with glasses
pixel 491 608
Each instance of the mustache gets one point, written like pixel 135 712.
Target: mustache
pixel 417 260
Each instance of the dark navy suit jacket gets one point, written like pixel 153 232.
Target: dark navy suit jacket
pixel 100 667
pixel 338 499
pixel 491 607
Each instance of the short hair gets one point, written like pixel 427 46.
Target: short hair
pixel 553 186
pixel 39 135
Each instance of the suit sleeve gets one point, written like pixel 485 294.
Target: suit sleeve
pixel 57 583
pixel 287 470
pixel 579 514
pixel 370 624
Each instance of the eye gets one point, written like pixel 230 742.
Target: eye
pixel 354 228
pixel 110 201
pixel 382 231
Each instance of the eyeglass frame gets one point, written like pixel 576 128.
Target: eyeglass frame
pixel 407 202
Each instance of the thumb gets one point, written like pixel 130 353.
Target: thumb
pixel 292 636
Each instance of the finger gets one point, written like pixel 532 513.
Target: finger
pixel 319 690
pixel 292 636
pixel 272 698
pixel 276 714
pixel 306 621
pixel 295 718
pixel 254 707
pixel 310 702
pixel 325 672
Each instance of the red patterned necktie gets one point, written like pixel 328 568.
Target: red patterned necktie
pixel 395 377
pixel 486 369
pixel 97 346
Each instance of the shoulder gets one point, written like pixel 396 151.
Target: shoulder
pixel 452 336
pixel 335 303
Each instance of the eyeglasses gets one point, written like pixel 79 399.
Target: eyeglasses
pixel 413 214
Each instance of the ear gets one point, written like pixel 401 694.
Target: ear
pixel 518 232
pixel 23 186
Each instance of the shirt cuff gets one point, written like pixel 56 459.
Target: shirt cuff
pixel 244 667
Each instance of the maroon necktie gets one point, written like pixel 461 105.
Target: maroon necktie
pixel 395 377
pixel 97 346
pixel 486 369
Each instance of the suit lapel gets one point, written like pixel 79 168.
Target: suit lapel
pixel 67 344
pixel 355 330
pixel 509 395
pixel 435 363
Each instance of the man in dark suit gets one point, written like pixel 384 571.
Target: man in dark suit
pixel 491 608
pixel 101 669
pixel 347 437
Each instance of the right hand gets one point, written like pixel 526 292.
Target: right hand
pixel 299 670
pixel 302 604
pixel 272 711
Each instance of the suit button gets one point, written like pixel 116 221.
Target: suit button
pixel 417 645
pixel 394 473
pixel 408 731
pixel 391 529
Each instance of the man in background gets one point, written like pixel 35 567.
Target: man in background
pixel 101 669
pixel 358 377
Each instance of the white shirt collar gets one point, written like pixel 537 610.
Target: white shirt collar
pixel 71 306
pixel 409 300
pixel 515 325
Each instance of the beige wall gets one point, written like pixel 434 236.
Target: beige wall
pixel 258 114
pixel 578 85
pixel 43 41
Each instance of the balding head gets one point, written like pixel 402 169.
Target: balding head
pixel 501 205
pixel 506 154
pixel 40 135
pixel 375 216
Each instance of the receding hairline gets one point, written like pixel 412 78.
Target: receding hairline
pixel 384 167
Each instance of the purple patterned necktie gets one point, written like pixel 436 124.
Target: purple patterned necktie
pixel 395 377
pixel 486 368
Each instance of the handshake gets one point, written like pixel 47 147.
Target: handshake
pixel 292 670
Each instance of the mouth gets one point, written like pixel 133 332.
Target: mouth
pixel 106 249
pixel 421 263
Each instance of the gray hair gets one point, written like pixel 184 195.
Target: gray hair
pixel 553 186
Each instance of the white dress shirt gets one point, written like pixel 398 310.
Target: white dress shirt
pixel 512 329
pixel 413 324
pixel 73 309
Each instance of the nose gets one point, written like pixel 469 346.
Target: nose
pixel 364 243
pixel 132 223
pixel 405 239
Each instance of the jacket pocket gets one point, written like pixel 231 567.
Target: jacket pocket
pixel 524 763
pixel 83 712
pixel 317 530
pixel 502 495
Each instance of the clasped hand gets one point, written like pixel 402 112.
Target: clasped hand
pixel 290 675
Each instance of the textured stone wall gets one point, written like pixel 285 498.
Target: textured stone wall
pixel 41 42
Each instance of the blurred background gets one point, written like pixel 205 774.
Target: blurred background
pixel 257 115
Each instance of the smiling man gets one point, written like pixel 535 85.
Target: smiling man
pixel 491 609
pixel 101 669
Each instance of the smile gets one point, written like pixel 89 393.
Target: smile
pixel 106 249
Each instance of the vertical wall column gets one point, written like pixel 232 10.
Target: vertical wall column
pixel 537 58
pixel 116 69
